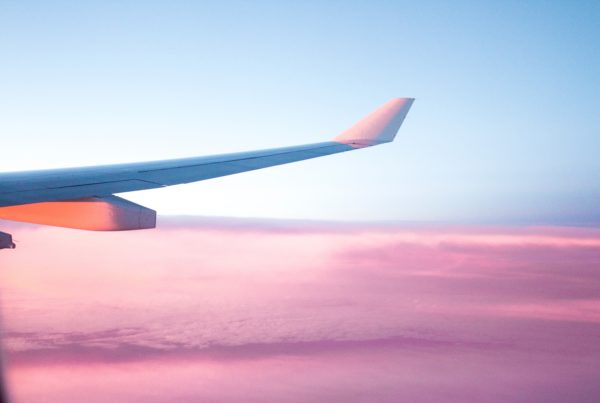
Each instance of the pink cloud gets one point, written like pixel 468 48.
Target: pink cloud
pixel 303 311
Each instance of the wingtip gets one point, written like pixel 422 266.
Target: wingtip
pixel 380 126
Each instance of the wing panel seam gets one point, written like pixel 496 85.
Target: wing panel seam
pixel 242 159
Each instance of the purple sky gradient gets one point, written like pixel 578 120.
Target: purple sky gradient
pixel 221 310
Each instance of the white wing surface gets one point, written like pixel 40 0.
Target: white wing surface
pixel 49 187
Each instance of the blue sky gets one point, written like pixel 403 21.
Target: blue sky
pixel 505 127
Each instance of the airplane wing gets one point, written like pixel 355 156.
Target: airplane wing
pixel 48 196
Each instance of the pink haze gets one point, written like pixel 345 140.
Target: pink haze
pixel 251 310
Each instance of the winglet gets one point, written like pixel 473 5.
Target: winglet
pixel 380 126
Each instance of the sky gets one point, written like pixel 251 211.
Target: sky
pixel 459 263
pixel 504 128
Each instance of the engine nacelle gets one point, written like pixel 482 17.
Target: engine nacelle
pixel 6 241
pixel 109 213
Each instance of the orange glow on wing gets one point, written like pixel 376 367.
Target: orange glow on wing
pixel 92 213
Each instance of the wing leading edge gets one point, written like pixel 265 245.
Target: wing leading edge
pixel 101 182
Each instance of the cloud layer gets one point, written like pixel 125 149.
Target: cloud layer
pixel 230 310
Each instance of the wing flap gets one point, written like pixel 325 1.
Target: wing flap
pixel 74 192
